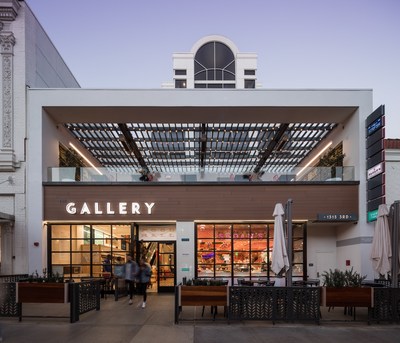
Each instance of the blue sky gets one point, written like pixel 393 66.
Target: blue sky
pixel 300 43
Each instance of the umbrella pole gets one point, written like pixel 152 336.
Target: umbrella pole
pixel 289 242
pixel 395 226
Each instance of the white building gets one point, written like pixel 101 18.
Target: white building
pixel 219 152
pixel 29 60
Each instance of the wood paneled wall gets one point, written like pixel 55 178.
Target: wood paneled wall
pixel 200 201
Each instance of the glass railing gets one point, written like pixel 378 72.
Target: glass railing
pixel 310 174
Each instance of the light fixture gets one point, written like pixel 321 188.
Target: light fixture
pixel 85 158
pixel 314 158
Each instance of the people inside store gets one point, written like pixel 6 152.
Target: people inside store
pixel 131 275
pixel 107 264
pixel 144 279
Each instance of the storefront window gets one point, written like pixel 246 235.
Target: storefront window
pixel 82 251
pixel 233 251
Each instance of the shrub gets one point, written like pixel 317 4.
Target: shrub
pixel 338 278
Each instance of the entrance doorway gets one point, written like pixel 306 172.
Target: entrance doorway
pixel 161 257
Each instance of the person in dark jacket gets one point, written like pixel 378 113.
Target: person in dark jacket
pixel 144 279
pixel 131 274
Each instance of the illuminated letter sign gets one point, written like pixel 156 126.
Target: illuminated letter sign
pixel 70 208
pixel 109 208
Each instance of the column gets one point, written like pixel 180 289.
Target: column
pixel 7 244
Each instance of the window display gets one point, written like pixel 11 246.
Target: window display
pixel 241 250
pixel 80 251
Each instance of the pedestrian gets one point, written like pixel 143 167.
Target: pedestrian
pixel 107 264
pixel 131 274
pixel 144 279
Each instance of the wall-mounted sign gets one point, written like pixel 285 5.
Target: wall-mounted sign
pixel 109 208
pixel 377 124
pixel 375 170
pixel 337 217
pixel 375 136
pixel 372 215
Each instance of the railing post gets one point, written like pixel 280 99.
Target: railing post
pixel 73 290
pixel 176 304
pixel 98 295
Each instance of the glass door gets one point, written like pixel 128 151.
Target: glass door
pixel 166 267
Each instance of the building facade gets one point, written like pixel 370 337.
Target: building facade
pixel 29 59
pixel 392 169
pixel 192 213
pixel 186 176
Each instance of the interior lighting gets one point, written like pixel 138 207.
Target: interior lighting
pixel 315 157
pixel 85 158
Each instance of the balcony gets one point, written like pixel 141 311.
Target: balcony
pixel 105 175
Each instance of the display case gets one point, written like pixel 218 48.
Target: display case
pixel 236 250
pixel 205 250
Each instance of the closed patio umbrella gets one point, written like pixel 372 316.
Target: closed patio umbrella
pixel 381 253
pixel 279 252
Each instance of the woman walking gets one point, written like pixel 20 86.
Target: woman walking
pixel 144 279
pixel 131 273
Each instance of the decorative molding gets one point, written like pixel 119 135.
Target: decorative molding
pixel 7 228
pixel 7 42
pixel 9 10
pixel 7 157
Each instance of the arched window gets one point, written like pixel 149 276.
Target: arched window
pixel 214 66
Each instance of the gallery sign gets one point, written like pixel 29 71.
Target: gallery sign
pixel 108 208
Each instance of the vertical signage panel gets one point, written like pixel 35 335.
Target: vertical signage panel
pixel 374 142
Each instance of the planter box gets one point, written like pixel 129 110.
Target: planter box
pixel 348 296
pixel 42 292
pixel 203 295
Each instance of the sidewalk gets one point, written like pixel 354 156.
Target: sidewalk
pixel 120 322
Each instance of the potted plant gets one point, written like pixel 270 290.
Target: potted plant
pixel 344 289
pixel 44 288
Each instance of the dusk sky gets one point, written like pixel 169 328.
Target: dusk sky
pixel 313 44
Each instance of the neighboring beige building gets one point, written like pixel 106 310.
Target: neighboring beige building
pixel 28 60
pixel 392 170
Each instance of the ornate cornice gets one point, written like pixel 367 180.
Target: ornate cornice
pixel 9 9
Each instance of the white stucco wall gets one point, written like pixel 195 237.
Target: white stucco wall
pixel 185 258
pixel 45 67
pixel 351 131
pixel 392 174
pixel 36 63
